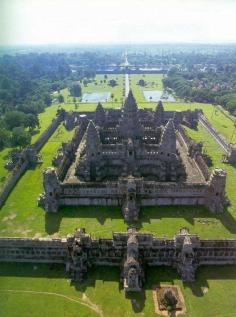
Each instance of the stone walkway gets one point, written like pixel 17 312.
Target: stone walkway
pixel 126 84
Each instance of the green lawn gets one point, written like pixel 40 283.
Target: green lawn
pixel 153 82
pixel 211 295
pixel 98 85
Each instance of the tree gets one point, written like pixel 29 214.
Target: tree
pixel 141 82
pixel 75 90
pixel 112 97
pixel 85 83
pixel 14 119
pixel 112 82
pixel 60 99
pixel 31 121
pixel 20 137
pixel 4 138
pixel 47 100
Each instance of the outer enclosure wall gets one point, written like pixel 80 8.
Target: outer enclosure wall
pixel 153 251
pixel 33 250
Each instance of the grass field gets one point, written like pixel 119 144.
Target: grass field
pixel 98 85
pixel 211 295
pixel 153 82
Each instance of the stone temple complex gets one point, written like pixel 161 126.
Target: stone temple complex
pixel 131 158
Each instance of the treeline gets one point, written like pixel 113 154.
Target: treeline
pixel 217 87
pixel 26 85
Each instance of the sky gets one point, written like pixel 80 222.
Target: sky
pixel 117 21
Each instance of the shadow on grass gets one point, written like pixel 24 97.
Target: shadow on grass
pixel 207 273
pixel 137 300
pixel 189 213
pixel 104 275
pixel 53 220
pixel 36 270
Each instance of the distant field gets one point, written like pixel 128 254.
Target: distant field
pixel 98 85
pixel 153 82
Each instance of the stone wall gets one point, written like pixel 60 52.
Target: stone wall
pixel 217 136
pixel 41 250
pixel 22 166
pixel 11 181
pixel 149 194
pixel 185 252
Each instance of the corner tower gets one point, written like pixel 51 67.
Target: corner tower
pixel 168 138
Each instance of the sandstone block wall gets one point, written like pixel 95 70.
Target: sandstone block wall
pixel 78 252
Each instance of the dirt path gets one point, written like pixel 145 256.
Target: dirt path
pixel 85 301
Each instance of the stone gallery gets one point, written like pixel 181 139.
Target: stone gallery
pixel 132 158
pixel 132 251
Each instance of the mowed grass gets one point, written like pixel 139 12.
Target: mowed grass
pixel 211 295
pixel 98 85
pixel 153 82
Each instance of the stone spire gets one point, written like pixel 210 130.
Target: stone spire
pixel 130 126
pixel 168 138
pixel 130 104
pixel 99 115
pixel 159 114
pixel 91 140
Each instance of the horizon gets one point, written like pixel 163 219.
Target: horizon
pixel 106 22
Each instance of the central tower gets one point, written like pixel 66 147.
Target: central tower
pixel 130 126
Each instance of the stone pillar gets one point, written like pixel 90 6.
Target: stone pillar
pixel 215 195
pixel 132 270
pixel 159 115
pixel 186 261
pixel 130 208
pixel 231 158
pixel 100 115
pixel 77 264
pixel 178 118
pixel 49 200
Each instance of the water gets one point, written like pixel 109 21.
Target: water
pixel 157 95
pixel 96 96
